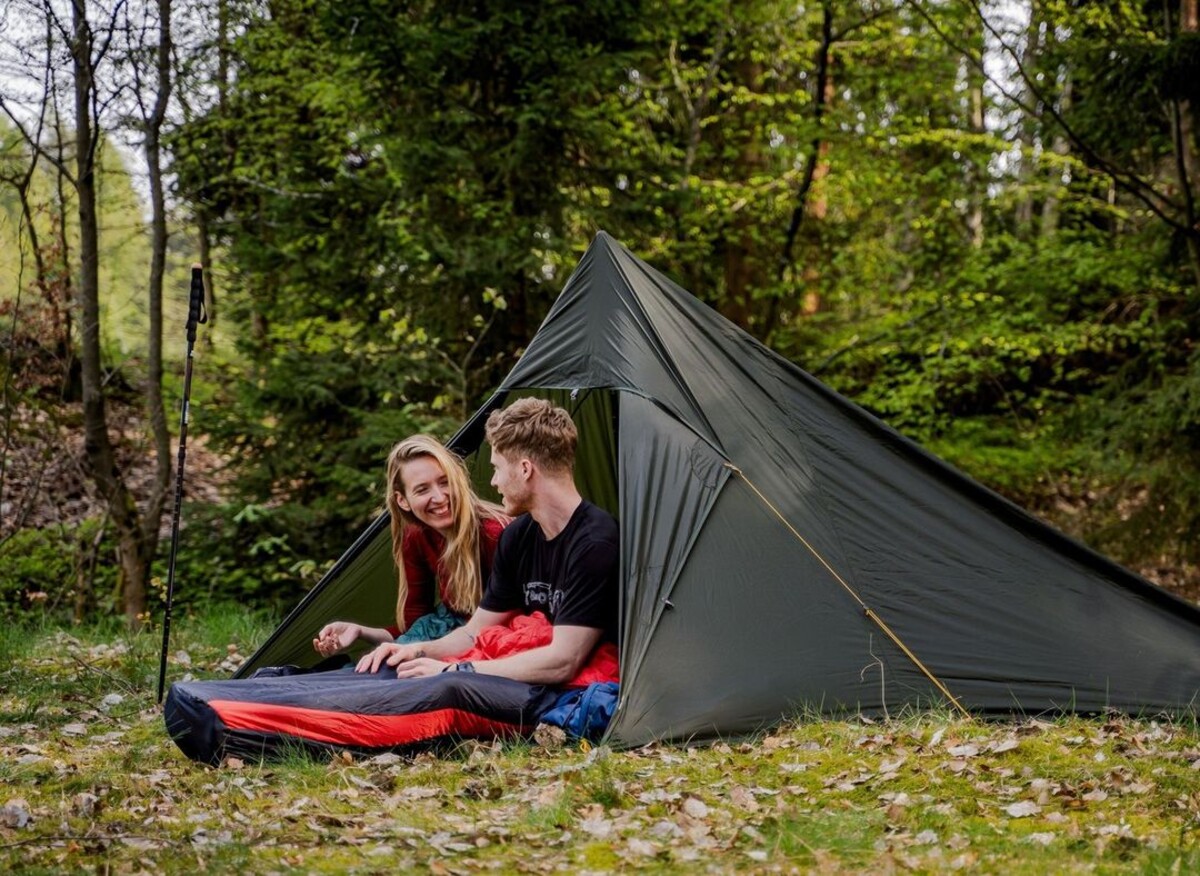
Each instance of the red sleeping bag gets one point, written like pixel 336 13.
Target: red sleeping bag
pixel 525 632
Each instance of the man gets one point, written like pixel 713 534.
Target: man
pixel 558 557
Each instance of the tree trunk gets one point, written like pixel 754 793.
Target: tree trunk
pixel 1189 162
pixel 204 233
pixel 62 286
pixel 155 408
pixel 977 123
pixel 816 164
pixel 35 246
pixel 1060 148
pixel 812 302
pixel 85 574
pixel 99 457
pixel 1028 136
pixel 742 271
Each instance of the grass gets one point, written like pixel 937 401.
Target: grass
pixel 91 781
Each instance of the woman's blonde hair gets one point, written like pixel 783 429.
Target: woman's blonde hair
pixel 460 557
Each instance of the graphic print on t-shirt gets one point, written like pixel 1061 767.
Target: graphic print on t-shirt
pixel 572 578
pixel 543 596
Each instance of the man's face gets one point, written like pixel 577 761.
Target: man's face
pixel 511 480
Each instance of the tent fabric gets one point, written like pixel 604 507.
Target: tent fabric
pixel 760 511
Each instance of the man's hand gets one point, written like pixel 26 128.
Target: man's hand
pixel 335 637
pixel 391 653
pixel 420 667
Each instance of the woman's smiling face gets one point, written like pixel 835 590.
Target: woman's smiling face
pixel 425 493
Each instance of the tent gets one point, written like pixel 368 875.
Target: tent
pixel 783 551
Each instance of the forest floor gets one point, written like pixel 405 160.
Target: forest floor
pixel 92 781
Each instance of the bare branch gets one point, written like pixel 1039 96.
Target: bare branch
pixel 810 167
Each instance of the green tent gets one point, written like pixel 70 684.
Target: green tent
pixel 783 550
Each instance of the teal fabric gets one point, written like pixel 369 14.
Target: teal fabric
pixel 431 626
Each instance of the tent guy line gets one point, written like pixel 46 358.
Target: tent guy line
pixel 867 610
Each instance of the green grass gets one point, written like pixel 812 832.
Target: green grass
pixel 91 782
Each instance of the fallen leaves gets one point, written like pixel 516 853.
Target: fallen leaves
pixel 549 737
pixel 1009 743
pixel 15 814
pixel 1022 809
pixel 86 804
pixel 929 794
pixel 694 807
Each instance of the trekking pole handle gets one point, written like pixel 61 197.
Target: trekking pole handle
pixel 197 315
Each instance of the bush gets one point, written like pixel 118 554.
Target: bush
pixel 242 554
pixel 41 570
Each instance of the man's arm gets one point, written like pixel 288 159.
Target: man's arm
pixel 556 663
pixel 454 642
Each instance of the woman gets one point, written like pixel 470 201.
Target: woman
pixel 443 541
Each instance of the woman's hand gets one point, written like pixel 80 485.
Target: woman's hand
pixel 335 637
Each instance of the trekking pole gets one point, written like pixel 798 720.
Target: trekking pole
pixel 196 316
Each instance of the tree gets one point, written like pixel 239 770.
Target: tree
pixel 149 47
pixel 87 55
pixel 390 199
pixel 398 191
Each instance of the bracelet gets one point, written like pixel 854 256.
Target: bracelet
pixel 465 666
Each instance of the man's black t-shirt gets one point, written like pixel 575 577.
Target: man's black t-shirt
pixel 572 578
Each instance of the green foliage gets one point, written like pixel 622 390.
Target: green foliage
pixel 40 570
pixel 1151 429
pixel 240 554
pixel 310 431
pixel 397 195
pixel 388 199
pixel 124 243
pixel 987 368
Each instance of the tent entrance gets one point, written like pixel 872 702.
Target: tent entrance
pixel 361 585
pixel 595 412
